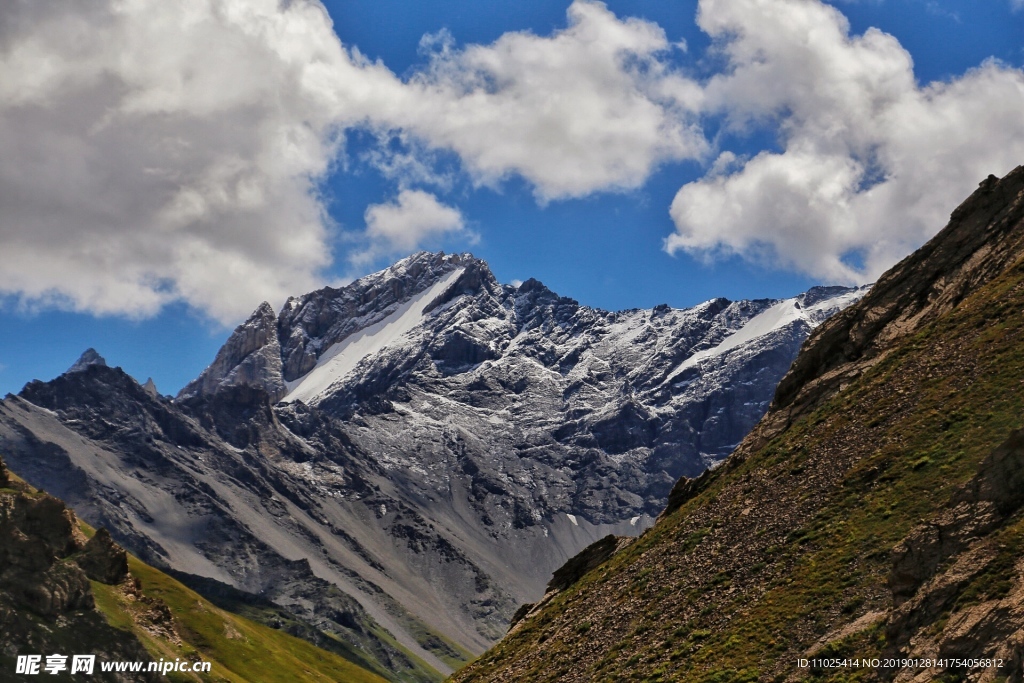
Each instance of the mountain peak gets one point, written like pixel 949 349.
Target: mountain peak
pixel 251 355
pixel 89 357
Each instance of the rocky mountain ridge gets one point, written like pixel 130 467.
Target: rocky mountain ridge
pixel 637 385
pixel 873 512
pixel 403 461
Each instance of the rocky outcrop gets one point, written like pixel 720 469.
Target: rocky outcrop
pixel 103 560
pixel 982 238
pixel 584 561
pixel 38 532
pixel 939 561
pixel 250 357
pixel 978 507
pixel 575 568
pixel 46 600
pixel 35 533
pixel 684 490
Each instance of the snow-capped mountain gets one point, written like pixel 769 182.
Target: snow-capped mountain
pixel 430 441
pixel 546 389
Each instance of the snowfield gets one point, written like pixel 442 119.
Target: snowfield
pixel 341 358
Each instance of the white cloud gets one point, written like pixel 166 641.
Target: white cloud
pixel 592 107
pixel 413 219
pixel 409 162
pixel 156 152
pixel 152 152
pixel 872 162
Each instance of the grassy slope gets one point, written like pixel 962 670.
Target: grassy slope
pixel 269 614
pixel 787 545
pixel 238 649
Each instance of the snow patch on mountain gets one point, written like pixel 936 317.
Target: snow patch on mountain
pixel 775 318
pixel 341 358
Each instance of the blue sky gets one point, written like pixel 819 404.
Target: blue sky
pixel 626 154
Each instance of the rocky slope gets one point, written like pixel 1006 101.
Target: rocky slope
pixel 427 441
pixel 875 511
pixel 67 590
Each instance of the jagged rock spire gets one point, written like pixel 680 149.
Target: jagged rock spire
pixel 251 356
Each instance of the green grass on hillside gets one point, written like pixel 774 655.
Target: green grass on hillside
pixel 859 473
pixel 239 649
pixel 265 612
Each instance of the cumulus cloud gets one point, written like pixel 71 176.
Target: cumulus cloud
pixel 157 152
pixel 415 217
pixel 872 162
pixel 592 107
pixel 152 152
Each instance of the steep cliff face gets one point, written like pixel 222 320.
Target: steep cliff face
pixel 401 462
pixel 251 358
pixel 875 511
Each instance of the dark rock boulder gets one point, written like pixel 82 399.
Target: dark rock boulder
pixel 584 561
pixel 103 560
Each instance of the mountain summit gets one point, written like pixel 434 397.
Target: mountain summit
pixel 89 357
pixel 402 461
pixel 441 326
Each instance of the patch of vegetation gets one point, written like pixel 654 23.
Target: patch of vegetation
pixel 238 649
pixel 693 540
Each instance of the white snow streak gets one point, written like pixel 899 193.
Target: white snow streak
pixel 342 357
pixel 774 318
